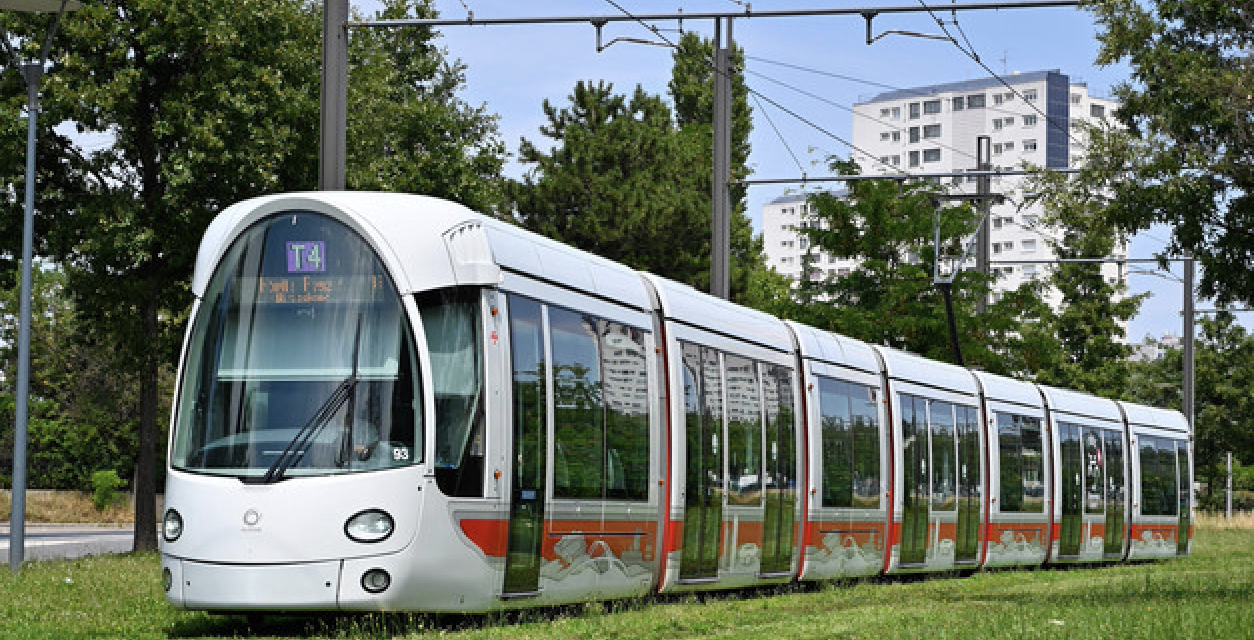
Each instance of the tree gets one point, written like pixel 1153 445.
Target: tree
pixel 1087 327
pixel 1185 152
pixel 630 179
pixel 890 298
pixel 202 104
pixel 1223 377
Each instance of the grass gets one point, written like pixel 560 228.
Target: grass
pixel 1206 596
pixel 67 507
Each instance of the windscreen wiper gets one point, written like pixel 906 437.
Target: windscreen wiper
pixel 295 448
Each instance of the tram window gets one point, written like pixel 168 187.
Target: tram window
pixel 1094 472
pixel 744 430
pixel 1158 476
pixel 626 391
pixel 527 354
pixel 851 456
pixel 944 457
pixel 451 321
pixel 782 423
pixel 838 443
pixel 578 412
pixel 1113 443
pixel 1021 460
pixel 866 446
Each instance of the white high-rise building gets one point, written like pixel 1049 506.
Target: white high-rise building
pixel 933 129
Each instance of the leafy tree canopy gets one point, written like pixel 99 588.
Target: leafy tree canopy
pixel 1185 152
pixel 891 298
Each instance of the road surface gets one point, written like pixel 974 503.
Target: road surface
pixel 49 541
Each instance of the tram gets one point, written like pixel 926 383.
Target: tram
pixel 391 402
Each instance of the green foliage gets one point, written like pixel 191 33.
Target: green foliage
pixel 104 488
pixel 630 180
pixel 1224 408
pixel 1184 156
pixel 192 106
pixel 890 298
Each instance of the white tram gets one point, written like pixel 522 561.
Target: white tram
pixel 390 402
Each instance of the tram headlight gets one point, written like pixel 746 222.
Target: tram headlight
pixel 371 525
pixel 171 525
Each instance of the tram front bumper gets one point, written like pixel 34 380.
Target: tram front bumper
pixel 239 587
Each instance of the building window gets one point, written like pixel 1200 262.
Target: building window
pixel 1010 122
pixel 1029 219
pixel 931 131
pixel 932 107
pixel 997 223
pixel 997 149
pixel 896 161
pixel 1029 95
pixel 959 103
pixel 896 136
pixel 998 98
pixel 896 113
pixel 1075 98
pixel 886 112
pixel 1029 121
pixel 997 124
pixel 1028 246
pixel 1029 271
pixel 1029 145
pixel 1097 111
pixel 931 155
pixel 1010 96
pixel 914 158
pixel 1010 146
pixel 885 136
pixel 885 160
pixel 1009 245
pixel 975 101
pixel 914 110
pixel 914 134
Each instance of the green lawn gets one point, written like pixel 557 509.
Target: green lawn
pixel 1208 596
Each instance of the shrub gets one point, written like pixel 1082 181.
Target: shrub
pixel 105 484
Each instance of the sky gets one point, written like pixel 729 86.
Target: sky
pixel 512 70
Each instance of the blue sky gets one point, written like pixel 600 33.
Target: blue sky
pixel 513 69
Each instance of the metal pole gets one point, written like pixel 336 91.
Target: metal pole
pixel 720 233
pixel 983 154
pixel 1228 509
pixel 33 72
pixel 1188 342
pixel 334 137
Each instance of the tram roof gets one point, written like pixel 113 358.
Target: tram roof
pixel 1081 404
pixel 1004 389
pixel 1143 416
pixel 428 243
pixel 834 348
pixel 914 368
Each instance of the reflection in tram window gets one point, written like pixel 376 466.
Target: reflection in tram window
pixel 578 414
pixel 1158 476
pixel 1094 472
pixel 744 431
pixel 1019 444
pixel 626 387
pixel 851 456
pixel 944 457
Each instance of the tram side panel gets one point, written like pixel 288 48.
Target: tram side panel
pixel 735 448
pixel 1018 528
pixel 1091 476
pixel 846 524
pixel 938 466
pixel 1163 507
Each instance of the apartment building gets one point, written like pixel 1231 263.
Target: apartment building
pixel 933 129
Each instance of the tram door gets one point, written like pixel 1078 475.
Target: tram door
pixel 1072 490
pixel 1186 490
pixel 916 494
pixel 703 466
pixel 969 490
pixel 1116 531
pixel 526 505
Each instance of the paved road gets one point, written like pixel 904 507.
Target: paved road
pixel 45 542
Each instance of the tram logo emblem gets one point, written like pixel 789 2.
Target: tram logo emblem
pixel 252 517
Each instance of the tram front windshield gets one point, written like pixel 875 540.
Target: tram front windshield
pixel 300 362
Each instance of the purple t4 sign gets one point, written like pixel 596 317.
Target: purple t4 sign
pixel 308 256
